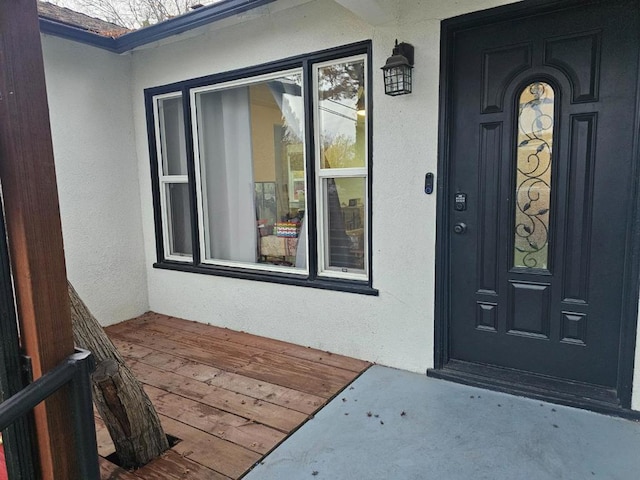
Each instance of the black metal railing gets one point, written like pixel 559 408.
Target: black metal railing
pixel 75 370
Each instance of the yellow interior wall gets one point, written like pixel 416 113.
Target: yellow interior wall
pixel 265 114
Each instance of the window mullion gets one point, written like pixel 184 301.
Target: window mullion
pixel 309 88
pixel 187 107
pixel 164 179
pixel 342 172
pixel 197 172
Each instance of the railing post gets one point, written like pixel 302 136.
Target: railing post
pixel 84 425
pixel 73 372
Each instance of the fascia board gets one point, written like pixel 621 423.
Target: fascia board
pixel 69 32
pixel 159 31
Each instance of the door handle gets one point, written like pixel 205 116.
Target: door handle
pixel 460 228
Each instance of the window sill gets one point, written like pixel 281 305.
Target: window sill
pixel 349 286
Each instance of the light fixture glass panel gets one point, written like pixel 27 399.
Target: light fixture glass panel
pixel 533 176
pixel 342 114
pixel 397 80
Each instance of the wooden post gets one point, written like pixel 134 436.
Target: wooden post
pixel 32 216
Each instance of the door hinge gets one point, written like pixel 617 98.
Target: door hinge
pixel 26 369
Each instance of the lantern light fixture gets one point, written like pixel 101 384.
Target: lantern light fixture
pixel 397 70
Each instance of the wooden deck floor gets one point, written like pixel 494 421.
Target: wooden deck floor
pixel 229 397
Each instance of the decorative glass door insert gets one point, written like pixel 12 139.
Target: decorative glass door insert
pixel 533 176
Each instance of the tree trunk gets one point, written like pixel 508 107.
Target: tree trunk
pixel 130 417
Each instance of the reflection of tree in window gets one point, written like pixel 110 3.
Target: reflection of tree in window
pixel 342 129
pixel 341 81
pixel 340 152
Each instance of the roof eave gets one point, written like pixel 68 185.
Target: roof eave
pixel 153 33
pixel 64 30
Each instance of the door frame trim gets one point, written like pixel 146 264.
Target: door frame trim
pixel 631 276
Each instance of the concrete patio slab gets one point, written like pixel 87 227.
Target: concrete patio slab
pixel 391 424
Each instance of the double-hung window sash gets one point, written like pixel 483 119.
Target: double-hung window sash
pixel 172 177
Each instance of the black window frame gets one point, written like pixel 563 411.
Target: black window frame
pixel 305 62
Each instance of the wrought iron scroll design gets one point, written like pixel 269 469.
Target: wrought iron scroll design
pixel 533 177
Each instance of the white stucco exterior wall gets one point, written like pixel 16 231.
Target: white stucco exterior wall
pixel 97 173
pixel 106 202
pixel 395 328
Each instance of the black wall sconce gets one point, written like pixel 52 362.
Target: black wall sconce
pixel 397 70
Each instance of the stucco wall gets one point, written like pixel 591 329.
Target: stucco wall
pixel 395 328
pixel 91 121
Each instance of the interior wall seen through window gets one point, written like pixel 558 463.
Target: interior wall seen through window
pixel 252 172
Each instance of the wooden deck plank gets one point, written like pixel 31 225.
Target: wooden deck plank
pixel 163 344
pixel 220 455
pixel 287 397
pixel 274 368
pixel 171 465
pixel 228 396
pixel 242 351
pixel 283 396
pixel 131 350
pixel 303 375
pixel 236 403
pixel 246 433
pixel 275 346
pixel 110 471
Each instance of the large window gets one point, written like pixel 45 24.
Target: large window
pixel 265 173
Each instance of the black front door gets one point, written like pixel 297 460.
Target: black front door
pixel 542 113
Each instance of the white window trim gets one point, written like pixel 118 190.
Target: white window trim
pixel 201 207
pixel 242 82
pixel 322 173
pixel 164 180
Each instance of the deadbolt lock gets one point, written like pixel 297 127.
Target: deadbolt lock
pixel 460 228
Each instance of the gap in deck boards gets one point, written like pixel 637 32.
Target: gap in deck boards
pixel 231 397
pixel 115 459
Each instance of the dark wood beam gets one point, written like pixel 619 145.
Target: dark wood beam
pixel 30 196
